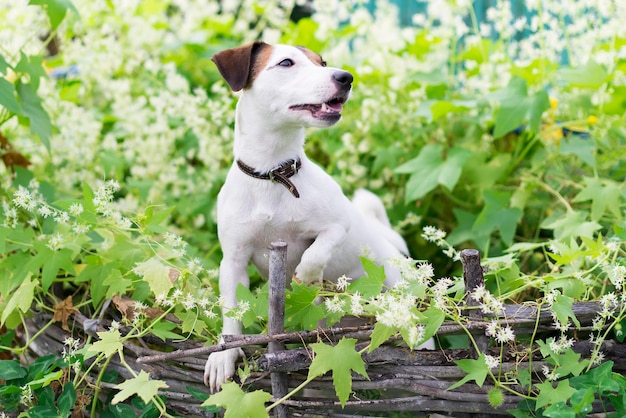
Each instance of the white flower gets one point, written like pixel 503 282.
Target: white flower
pixel 342 283
pixel 433 234
pixel 334 304
pixel 491 361
pixel 356 305
pixel 76 209
pixel 505 335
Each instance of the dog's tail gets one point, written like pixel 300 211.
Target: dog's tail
pixel 372 207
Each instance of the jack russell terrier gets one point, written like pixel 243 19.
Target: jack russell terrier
pixel 274 192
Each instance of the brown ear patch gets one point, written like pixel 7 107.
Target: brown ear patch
pixel 240 66
pixel 312 56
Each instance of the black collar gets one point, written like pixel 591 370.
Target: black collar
pixel 280 174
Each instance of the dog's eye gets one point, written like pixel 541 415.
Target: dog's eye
pixel 286 63
pixel 323 63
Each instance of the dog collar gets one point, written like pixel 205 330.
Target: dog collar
pixel 280 174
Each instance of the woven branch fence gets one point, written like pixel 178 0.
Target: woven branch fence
pixel 401 380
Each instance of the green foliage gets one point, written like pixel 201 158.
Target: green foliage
pixel 238 403
pixel 341 359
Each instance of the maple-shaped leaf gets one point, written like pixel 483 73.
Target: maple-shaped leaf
pixel 341 359
pixel 549 394
pixel 62 312
pixel 569 362
pixel 159 276
pixel 239 404
pixel 476 370
pixel 109 344
pixel 22 299
pixel 562 308
pixel 300 308
pixel 604 196
pixel 141 385
pixel 372 283
pixel 51 262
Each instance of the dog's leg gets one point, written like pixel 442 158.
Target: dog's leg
pixel 220 366
pixel 316 257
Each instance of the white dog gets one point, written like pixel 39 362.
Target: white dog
pixel 273 191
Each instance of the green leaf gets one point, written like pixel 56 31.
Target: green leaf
pixel 476 370
pixel 163 330
pixel 372 283
pixel 604 194
pixel 591 76
pixel 34 111
pixel 8 99
pixel 11 369
pixel 568 363
pixel 156 274
pixel 300 307
pixel 549 395
pixel 22 299
pixel 582 401
pixel 52 262
pixel 46 379
pixel 572 224
pixel 197 394
pixel 341 359
pixel 380 334
pixel 3 65
pixel 434 317
pixel 239 404
pixel 516 107
pixel 559 410
pixel 110 343
pixel 55 9
pixel 67 398
pixel 600 379
pixel 584 149
pixel 141 385
pixel 562 308
pixel 33 66
pixel 258 304
pixel 429 169
pixel 496 216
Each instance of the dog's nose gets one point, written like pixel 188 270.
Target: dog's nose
pixel 343 79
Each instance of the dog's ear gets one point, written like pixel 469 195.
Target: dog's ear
pixel 236 65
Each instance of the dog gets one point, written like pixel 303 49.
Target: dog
pixel 273 191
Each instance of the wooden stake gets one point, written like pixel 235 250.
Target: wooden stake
pixel 276 317
pixel 473 278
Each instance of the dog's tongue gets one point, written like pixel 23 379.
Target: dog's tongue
pixel 334 106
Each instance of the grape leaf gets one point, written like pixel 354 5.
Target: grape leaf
pixel 159 276
pixel 141 385
pixel 109 344
pixel 22 299
pixel 341 359
pixel 300 308
pixel 549 394
pixel 476 370
pixel 239 404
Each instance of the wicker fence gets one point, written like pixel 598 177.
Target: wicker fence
pixel 400 379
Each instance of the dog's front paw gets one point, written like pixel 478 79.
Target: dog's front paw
pixel 220 367
pixel 309 273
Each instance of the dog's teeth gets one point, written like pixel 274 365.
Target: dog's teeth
pixel 324 107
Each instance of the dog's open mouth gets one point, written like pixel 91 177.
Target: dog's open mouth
pixel 327 110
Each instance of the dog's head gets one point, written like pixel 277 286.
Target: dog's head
pixel 291 82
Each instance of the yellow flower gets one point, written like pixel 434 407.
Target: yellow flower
pixel 553 103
